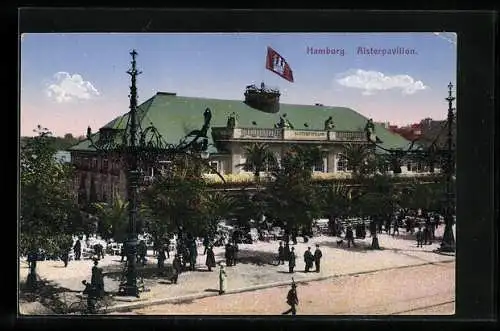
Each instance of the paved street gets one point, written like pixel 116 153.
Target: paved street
pixel 398 291
pixel 254 268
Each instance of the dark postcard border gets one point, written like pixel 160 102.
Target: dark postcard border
pixel 476 233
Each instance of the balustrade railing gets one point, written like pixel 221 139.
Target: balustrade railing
pixel 350 135
pixel 287 134
pixel 261 133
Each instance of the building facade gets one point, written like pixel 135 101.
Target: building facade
pixel 234 126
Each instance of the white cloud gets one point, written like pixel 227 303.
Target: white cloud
pixel 372 81
pixel 67 87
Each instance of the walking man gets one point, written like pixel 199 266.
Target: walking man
pixel 281 254
pixel 317 258
pixel 161 259
pixel 176 269
pixel 210 261
pixel 206 242
pixel 234 252
pixel 420 237
pixel 287 251
pixel 308 259
pixel 222 280
pixel 291 260
pixel 122 252
pixel 167 247
pixel 396 226
pixel 193 254
pixel 141 252
pixel 427 236
pixel 228 254
pixel 349 236
pixel 292 300
pixel 77 249
pixel 65 256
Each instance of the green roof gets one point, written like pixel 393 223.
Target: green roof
pixel 175 116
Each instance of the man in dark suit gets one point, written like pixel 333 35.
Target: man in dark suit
pixel 292 300
pixel 308 259
pixel 291 260
pixel 317 257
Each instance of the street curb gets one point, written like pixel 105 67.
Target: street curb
pixel 201 295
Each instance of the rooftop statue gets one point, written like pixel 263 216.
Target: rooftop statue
pixel 231 120
pixel 370 132
pixel 329 124
pixel 207 115
pixel 284 123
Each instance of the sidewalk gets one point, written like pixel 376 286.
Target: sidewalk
pixel 253 272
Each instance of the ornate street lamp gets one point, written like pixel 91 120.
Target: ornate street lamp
pixel 448 243
pixel 430 153
pixel 137 146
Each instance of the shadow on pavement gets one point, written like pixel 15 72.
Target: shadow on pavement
pixel 211 290
pixel 407 236
pixel 360 246
pixel 421 250
pixel 54 297
pixel 249 256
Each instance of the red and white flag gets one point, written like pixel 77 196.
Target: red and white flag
pixel 277 64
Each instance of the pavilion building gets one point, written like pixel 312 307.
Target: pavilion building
pixel 234 125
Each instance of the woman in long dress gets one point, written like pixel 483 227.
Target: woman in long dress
pixel 210 260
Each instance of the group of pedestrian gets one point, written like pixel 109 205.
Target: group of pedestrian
pixel 162 249
pixel 285 253
pixel 231 254
pixel 349 236
pixel 360 230
pixel 424 236
pixel 311 259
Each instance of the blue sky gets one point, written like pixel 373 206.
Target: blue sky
pixel 70 81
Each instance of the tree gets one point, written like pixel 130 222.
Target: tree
pixel 113 219
pixel 335 202
pixel 258 158
pixel 378 202
pixel 175 203
pixel 426 196
pixel 218 205
pixel 357 156
pixel 48 207
pixel 294 200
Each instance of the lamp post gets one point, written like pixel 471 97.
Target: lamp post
pixel 448 242
pixel 137 145
pixel 129 288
